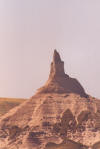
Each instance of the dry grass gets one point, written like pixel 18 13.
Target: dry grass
pixel 8 103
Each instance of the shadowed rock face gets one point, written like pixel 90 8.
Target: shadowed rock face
pixel 59 82
pixel 68 145
pixel 96 146
pixel 57 66
pixel 56 57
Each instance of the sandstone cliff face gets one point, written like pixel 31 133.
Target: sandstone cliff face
pixel 60 116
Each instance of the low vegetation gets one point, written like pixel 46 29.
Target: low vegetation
pixel 8 103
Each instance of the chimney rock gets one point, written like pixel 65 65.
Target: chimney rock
pixel 59 82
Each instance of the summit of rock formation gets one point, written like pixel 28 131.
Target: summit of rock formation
pixel 59 116
pixel 59 82
pixel 57 66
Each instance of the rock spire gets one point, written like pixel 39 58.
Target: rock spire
pixel 57 66
pixel 56 57
pixel 59 82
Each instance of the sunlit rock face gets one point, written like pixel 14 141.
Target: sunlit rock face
pixel 59 116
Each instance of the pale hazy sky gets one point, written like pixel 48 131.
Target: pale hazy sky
pixel 31 29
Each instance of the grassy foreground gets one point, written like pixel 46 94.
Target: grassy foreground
pixel 8 103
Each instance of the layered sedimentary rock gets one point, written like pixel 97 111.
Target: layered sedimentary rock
pixel 59 116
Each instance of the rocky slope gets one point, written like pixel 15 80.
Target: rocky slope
pixel 59 116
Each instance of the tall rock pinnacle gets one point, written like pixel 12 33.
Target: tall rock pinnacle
pixel 59 82
pixel 57 66
pixel 58 116
pixel 56 57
